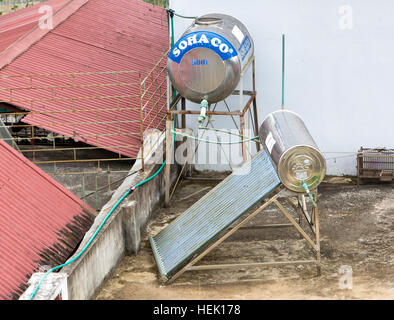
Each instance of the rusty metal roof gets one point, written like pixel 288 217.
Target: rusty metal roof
pixel 15 25
pixel 20 29
pixel 41 221
pixel 88 36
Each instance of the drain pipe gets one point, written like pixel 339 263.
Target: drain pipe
pixel 305 186
pixel 203 111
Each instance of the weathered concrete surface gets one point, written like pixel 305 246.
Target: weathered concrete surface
pixel 93 178
pixel 105 252
pixel 357 230
pixel 55 284
pixel 131 228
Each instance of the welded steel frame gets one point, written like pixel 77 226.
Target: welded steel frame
pixel 174 112
pixel 299 207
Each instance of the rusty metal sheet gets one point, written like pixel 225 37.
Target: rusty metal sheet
pixel 94 37
pixel 41 221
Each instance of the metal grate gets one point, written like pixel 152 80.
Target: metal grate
pixel 6 136
pixel 375 164
pixel 214 212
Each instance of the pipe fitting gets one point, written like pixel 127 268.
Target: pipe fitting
pixel 203 110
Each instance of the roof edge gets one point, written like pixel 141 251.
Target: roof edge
pixel 47 177
pixel 36 34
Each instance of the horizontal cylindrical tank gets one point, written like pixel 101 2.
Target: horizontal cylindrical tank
pixel 207 61
pixel 293 150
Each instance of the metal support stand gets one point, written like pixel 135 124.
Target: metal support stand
pixel 167 173
pixel 251 106
pixel 312 220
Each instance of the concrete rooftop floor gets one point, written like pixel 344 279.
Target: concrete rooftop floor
pixel 357 230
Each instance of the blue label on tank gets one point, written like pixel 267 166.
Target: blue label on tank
pixel 245 47
pixel 205 39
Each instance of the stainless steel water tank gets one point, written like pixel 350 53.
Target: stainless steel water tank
pixel 207 61
pixel 293 150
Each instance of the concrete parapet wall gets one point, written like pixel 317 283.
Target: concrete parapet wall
pixel 120 234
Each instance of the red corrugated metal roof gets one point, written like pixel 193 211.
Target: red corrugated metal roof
pixel 22 36
pixel 41 221
pixel 15 25
pixel 91 36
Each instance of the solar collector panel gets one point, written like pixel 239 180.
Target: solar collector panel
pixel 213 213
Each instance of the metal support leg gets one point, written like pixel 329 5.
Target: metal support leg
pixel 296 225
pixel 317 235
pixel 255 117
pixel 168 161
pixel 242 127
pixel 183 117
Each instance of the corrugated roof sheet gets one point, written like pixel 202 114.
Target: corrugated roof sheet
pixel 90 36
pixel 41 221
pixel 15 25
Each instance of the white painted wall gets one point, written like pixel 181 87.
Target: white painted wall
pixel 341 81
